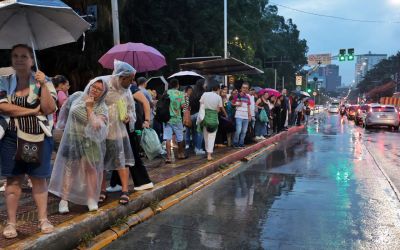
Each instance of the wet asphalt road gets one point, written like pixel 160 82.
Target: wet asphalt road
pixel 324 189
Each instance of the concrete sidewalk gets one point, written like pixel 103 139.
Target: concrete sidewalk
pixel 79 223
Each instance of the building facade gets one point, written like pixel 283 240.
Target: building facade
pixel 366 62
pixel 328 77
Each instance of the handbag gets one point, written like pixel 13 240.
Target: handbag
pixel 187 119
pixel 29 146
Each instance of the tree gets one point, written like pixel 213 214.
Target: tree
pixel 186 28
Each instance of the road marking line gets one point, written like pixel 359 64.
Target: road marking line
pixel 396 191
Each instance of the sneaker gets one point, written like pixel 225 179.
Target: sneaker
pixel 199 151
pixel 117 188
pixel 92 205
pixel 144 187
pixel 241 146
pixel 187 146
pixel 63 207
pixel 262 137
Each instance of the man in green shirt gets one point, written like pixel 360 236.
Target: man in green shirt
pixel 174 125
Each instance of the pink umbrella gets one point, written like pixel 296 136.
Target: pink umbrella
pixel 272 92
pixel 141 56
pixel 311 102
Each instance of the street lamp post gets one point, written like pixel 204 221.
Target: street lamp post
pixel 115 21
pixel 226 35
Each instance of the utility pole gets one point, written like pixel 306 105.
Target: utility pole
pixel 275 78
pixel 115 21
pixel 226 35
pixel 283 82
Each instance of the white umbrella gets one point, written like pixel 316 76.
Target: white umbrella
pixel 186 77
pixel 185 73
pixel 40 23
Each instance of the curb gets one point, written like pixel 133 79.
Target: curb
pixel 105 238
pixel 69 234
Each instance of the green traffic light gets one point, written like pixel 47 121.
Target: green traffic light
pixel 350 58
pixel 342 58
pixel 309 90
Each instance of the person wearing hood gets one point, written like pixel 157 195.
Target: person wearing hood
pixel 79 165
pixel 121 110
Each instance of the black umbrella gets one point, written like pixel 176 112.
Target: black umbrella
pixel 301 94
pixel 158 83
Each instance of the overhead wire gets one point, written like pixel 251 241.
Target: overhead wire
pixel 333 17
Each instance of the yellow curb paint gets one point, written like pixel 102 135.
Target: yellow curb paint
pixel 121 229
pixel 168 202
pixel 211 178
pixel 145 214
pixel 101 240
pixel 133 220
pixel 181 195
pixel 196 187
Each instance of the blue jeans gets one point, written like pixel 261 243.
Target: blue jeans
pixel 196 136
pixel 241 130
pixel 261 128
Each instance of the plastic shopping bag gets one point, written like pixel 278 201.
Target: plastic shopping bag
pixel 150 143
pixel 122 109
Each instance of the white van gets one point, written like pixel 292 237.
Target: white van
pixel 334 107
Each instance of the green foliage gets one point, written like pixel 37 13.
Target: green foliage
pixel 382 73
pixel 186 28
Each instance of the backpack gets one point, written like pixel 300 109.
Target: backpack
pixel 162 109
pixel 263 116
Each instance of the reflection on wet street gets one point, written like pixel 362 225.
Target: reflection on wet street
pixel 326 188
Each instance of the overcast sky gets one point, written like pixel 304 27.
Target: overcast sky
pixel 327 35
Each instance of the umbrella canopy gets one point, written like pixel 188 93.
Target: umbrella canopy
pixel 40 23
pixel 302 93
pixel 141 56
pixel 311 102
pixel 186 78
pixel 158 83
pixel 272 92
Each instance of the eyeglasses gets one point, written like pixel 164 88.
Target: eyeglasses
pixel 96 88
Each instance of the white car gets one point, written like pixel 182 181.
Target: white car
pixel 334 107
pixel 382 115
pixel 318 109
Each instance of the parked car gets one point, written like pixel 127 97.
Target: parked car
pixel 351 112
pixel 361 114
pixel 382 115
pixel 334 107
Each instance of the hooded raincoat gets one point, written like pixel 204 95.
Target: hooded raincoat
pixel 79 164
pixel 120 105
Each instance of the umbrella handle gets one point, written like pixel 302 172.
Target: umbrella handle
pixel 34 54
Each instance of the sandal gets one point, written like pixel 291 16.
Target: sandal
pixel 10 231
pixel 103 196
pixel 124 198
pixel 45 226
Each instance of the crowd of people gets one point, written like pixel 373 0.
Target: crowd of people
pixel 102 126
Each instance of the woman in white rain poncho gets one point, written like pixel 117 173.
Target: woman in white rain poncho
pixel 78 168
pixel 121 109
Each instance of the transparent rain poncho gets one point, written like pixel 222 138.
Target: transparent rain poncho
pixel 78 168
pixel 120 105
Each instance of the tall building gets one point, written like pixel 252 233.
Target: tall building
pixel 366 62
pixel 329 77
